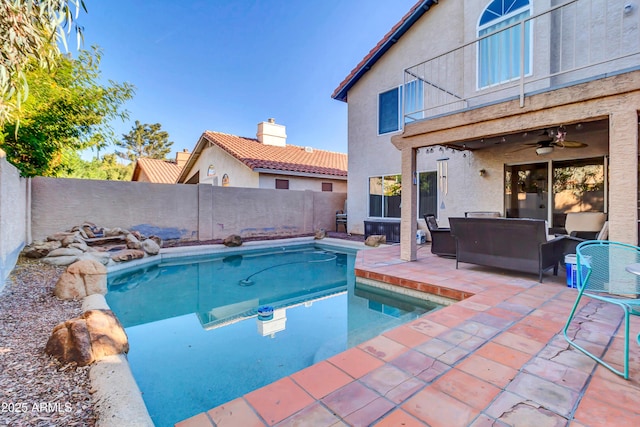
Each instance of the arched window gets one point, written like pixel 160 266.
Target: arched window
pixel 225 180
pixel 499 54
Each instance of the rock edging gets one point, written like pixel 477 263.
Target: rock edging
pixel 116 395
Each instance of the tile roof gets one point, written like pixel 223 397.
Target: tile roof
pixel 290 158
pixel 157 171
pixel 383 45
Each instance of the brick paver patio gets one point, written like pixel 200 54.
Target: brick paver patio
pixel 495 358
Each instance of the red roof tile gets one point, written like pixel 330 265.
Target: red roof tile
pixel 290 158
pixel 157 171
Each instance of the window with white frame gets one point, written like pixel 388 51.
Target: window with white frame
pixel 499 53
pixel 389 110
pixel 390 106
pixel 384 196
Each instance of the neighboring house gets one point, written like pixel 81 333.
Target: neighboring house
pixel 160 171
pixel 264 162
pixel 526 107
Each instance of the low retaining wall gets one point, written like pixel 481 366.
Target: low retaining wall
pixel 14 216
pixel 179 211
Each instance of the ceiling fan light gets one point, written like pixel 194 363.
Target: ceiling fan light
pixel 540 151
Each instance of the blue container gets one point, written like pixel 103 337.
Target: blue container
pixel 571 264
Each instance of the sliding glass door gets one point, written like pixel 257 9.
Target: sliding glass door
pixel 526 191
pixel 576 186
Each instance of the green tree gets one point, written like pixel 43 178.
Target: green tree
pixel 30 33
pixel 67 109
pixel 145 140
pixel 107 168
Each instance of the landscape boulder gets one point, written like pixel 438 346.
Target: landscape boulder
pixel 132 241
pixel 375 240
pixel 41 249
pixel 88 338
pixel 127 255
pixel 62 256
pixel 156 239
pixel 60 261
pixel 102 257
pixel 82 278
pixel 150 247
pixel 232 241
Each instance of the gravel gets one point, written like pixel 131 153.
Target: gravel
pixel 35 389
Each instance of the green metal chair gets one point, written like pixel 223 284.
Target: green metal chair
pixel 608 271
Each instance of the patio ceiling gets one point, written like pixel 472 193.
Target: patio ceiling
pixel 574 132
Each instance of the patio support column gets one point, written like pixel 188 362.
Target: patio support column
pixel 623 176
pixel 409 215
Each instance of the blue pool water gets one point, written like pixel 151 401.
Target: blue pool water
pixel 196 338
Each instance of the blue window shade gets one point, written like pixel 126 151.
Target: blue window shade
pixel 389 111
pixel 499 54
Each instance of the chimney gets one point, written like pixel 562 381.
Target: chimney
pixel 182 157
pixel 270 133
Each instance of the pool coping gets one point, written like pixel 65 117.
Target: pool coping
pixel 117 398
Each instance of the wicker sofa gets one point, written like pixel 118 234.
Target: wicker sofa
pixel 510 243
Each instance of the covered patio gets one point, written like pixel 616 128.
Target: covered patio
pixel 495 357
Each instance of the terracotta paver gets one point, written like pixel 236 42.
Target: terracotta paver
pixel 407 336
pixel 350 399
pixel 321 379
pixel 278 400
pixel 356 362
pixel 313 415
pixel 383 348
pixel 559 399
pixel 592 412
pixel 498 358
pixel 467 388
pixel 199 420
pixel 438 409
pixel 233 413
pixel 488 370
pixel 370 413
pixel 399 418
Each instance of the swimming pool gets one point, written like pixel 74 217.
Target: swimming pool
pixel 197 339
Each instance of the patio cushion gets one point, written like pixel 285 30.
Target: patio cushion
pixel 584 221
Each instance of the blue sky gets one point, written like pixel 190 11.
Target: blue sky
pixel 227 65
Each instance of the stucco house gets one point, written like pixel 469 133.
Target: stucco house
pixel 160 171
pixel 266 161
pixel 524 107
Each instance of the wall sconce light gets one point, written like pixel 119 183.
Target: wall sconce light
pixel 482 172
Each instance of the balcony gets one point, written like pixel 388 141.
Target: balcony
pixel 571 43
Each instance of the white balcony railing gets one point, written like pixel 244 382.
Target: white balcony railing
pixel 573 42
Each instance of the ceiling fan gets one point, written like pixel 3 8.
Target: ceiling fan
pixel 553 139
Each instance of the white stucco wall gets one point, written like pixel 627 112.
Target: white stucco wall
pixel 239 174
pixel 13 216
pixel 300 183
pixel 371 154
pixel 446 26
